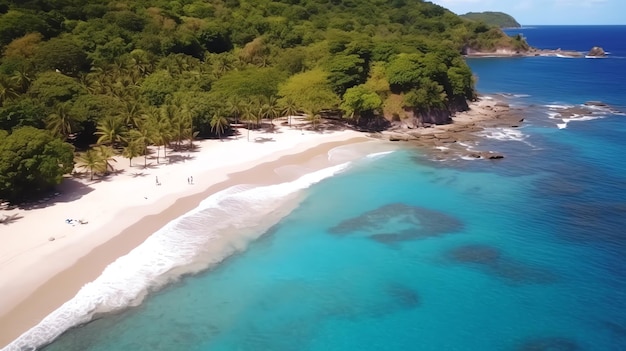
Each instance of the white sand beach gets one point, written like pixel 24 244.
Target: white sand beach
pixel 49 250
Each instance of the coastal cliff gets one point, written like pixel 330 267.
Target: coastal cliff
pixel 453 137
pixel 434 116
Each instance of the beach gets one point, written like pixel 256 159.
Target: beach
pixel 68 240
pixel 51 249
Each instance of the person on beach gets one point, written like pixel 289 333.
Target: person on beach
pixel 191 180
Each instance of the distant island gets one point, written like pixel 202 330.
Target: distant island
pixel 499 19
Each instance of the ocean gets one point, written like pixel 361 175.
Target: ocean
pixel 392 250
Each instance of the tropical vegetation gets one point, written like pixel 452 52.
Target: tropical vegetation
pixel 115 77
pixel 492 18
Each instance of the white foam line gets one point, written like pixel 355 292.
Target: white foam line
pixel 559 107
pixel 580 118
pixel 503 134
pixel 554 115
pixel 377 155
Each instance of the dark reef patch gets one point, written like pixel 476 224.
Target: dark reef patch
pixel 409 222
pixel 405 296
pixel 617 330
pixel 482 254
pixel 550 344
pixel 491 261
pixel 598 217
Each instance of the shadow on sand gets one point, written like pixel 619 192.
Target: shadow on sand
pixel 8 219
pixel 69 190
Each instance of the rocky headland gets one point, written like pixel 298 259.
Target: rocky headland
pixel 594 52
pixel 458 138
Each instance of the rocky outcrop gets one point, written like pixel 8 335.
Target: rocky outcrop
pixel 487 155
pixel 499 52
pixel 373 124
pixel 596 104
pixel 596 51
pixel 460 138
pixel 434 116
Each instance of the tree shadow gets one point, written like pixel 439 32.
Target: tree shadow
pixel 8 219
pixel 179 158
pixel 149 165
pixel 108 176
pixel 262 140
pixel 230 138
pixel 138 174
pixel 327 126
pixel 70 189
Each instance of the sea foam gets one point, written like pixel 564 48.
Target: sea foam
pixel 503 134
pixel 379 154
pixel 221 225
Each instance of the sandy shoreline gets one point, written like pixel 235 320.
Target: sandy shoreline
pixel 129 207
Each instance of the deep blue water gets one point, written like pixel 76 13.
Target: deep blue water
pixel 402 253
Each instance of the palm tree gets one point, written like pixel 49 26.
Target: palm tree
pixel 248 114
pixel 189 132
pixel 106 154
pixel 234 108
pixel 176 121
pixel 123 84
pixel 143 137
pixel 61 122
pixel 261 113
pixel 163 127
pixel 130 151
pixel 91 161
pixel 289 109
pixel 272 110
pixel 219 123
pixel 111 131
pixel 7 90
pixel 23 77
pixel 314 116
pixel 223 63
pixel 141 62
pixel 132 113
pixel 98 82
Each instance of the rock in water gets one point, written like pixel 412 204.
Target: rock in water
pixel 596 51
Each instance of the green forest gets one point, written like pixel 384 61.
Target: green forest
pixel 499 19
pixel 82 81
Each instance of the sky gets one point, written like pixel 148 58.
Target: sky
pixel 557 12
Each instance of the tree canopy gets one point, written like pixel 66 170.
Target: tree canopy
pixel 499 19
pixel 31 162
pixel 80 70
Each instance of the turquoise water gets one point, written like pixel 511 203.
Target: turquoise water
pixel 398 252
